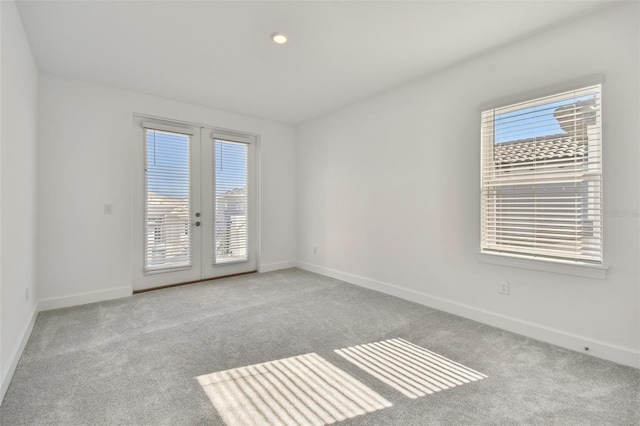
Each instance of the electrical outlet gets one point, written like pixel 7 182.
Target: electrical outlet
pixel 107 209
pixel 315 250
pixel 504 287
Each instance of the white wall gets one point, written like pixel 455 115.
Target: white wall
pixel 388 190
pixel 86 160
pixel 19 99
pixel 2 392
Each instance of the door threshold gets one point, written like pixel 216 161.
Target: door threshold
pixel 144 290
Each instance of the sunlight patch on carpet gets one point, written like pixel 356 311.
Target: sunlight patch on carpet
pixel 410 369
pixel 302 390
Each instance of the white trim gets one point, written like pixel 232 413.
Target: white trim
pixel 232 136
pixel 172 128
pixel 543 92
pixel 515 261
pixel 150 118
pixel 611 352
pixel 7 375
pixel 258 199
pixel 268 267
pixel 83 298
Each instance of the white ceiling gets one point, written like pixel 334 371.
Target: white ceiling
pixel 219 54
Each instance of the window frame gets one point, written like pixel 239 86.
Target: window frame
pixel 530 260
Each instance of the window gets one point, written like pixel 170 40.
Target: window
pixel 167 200
pixel 231 202
pixel 542 178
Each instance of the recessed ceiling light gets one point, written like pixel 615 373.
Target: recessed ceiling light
pixel 279 38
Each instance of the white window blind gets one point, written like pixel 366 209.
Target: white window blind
pixel 542 178
pixel 167 200
pixel 231 237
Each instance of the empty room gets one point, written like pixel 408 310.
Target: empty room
pixel 319 212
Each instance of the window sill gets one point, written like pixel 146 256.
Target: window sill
pixel 580 270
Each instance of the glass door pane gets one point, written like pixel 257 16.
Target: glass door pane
pixel 231 208
pixel 167 201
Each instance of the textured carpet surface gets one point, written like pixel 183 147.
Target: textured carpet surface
pixel 135 361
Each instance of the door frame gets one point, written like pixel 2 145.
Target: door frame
pixel 209 269
pixel 140 279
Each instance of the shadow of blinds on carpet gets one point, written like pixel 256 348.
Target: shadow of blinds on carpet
pixel 302 390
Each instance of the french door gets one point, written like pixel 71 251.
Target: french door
pixel 195 203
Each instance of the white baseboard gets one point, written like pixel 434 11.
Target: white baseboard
pixel 619 354
pixel 83 298
pixel 268 267
pixel 7 374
